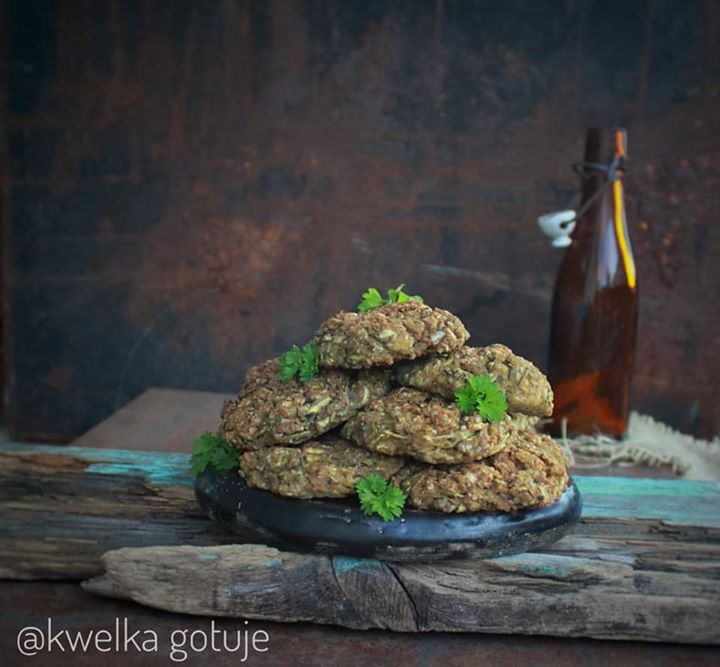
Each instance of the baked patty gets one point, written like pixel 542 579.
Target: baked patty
pixel 527 390
pixel 329 468
pixel 271 412
pixel 530 472
pixel 408 422
pixel 382 336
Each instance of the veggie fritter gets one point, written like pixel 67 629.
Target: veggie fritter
pixel 408 422
pixel 384 335
pixel 328 468
pixel 270 411
pixel 530 472
pixel 526 389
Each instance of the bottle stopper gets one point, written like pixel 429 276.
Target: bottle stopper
pixel 558 225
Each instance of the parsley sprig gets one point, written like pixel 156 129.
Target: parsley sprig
pixel 212 450
pixel 374 299
pixel 482 396
pixel 378 496
pixel 302 362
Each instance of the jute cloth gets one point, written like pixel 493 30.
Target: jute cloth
pixel 649 443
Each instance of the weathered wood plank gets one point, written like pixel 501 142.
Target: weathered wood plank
pixel 672 501
pixel 159 419
pixel 61 508
pixel 546 594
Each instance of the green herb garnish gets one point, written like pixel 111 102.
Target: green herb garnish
pixel 212 450
pixel 378 496
pixel 301 362
pixel 373 299
pixel 482 396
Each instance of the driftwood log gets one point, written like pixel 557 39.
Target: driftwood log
pixel 586 589
pixel 643 563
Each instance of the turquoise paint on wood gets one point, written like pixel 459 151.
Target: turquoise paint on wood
pixel 161 468
pixel 344 564
pixel 157 472
pixel 207 557
pixel 561 566
pixel 640 486
pixel 673 501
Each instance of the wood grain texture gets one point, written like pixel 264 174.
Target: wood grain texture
pixel 62 507
pixel 574 591
pixel 192 187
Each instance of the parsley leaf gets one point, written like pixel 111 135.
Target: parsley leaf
pixel 309 363
pixel 301 361
pixel 370 300
pixel 491 402
pixel 378 496
pixel 212 450
pixel 373 299
pixel 465 400
pixel 290 363
pixel 482 396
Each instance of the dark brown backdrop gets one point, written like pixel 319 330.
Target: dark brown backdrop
pixel 193 185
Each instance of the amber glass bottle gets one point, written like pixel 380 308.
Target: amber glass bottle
pixel 594 311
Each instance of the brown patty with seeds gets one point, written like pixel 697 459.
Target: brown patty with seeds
pixel 382 336
pixel 271 412
pixel 527 390
pixel 408 422
pixel 329 468
pixel 530 472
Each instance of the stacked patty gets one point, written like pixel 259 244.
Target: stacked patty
pixel 383 402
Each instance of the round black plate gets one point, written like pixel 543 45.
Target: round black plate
pixel 340 527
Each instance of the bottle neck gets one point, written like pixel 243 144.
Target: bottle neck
pixel 601 215
pixel 604 163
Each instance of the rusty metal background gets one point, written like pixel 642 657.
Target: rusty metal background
pixel 192 186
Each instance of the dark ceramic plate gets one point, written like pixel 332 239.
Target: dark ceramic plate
pixel 340 527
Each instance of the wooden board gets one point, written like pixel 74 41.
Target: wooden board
pixel 650 547
pixel 159 419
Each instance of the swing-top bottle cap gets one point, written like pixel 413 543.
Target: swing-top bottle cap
pixel 558 225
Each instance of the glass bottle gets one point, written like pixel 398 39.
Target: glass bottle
pixel 595 304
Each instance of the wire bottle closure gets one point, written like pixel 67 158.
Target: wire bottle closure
pixel 612 172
